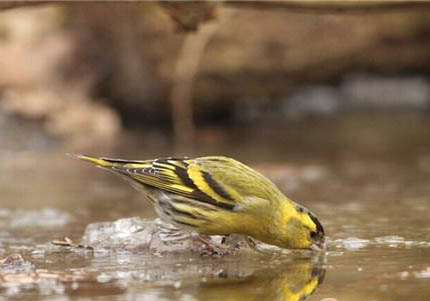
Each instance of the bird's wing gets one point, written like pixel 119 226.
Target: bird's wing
pixel 235 180
pixel 182 176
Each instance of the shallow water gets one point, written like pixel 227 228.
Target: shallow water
pixel 367 177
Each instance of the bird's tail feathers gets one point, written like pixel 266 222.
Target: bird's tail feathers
pixel 101 162
pixel 105 162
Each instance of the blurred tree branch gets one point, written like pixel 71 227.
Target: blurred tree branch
pixel 332 6
pixel 185 71
pixel 14 4
pixel 193 17
pixel 306 5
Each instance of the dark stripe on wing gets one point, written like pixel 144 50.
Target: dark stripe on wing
pixel 166 160
pixel 122 161
pixel 216 186
pixel 200 195
pixel 197 194
pixel 156 173
pixel 185 178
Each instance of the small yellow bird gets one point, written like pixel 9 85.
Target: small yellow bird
pixel 219 196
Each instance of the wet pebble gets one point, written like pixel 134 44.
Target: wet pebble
pixel 15 263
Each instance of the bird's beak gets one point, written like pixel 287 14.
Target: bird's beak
pixel 319 246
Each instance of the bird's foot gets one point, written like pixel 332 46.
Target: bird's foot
pixel 211 248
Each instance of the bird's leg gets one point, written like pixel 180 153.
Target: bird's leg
pixel 252 244
pixel 206 241
pixel 238 240
pixel 170 233
pixel 213 248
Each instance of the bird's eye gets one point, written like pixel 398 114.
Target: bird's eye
pixel 314 235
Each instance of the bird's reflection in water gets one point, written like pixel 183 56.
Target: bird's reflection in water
pixel 296 283
pixel 288 281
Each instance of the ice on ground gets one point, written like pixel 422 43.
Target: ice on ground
pixel 45 217
pixel 128 234
pixel 135 234
pixel 392 241
pixel 352 243
pixel 155 237
pixel 423 274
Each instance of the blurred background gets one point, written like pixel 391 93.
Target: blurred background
pixel 294 92
pixel 92 75
pixel 297 93
pixel 331 102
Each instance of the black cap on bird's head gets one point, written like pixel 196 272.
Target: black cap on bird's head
pixel 304 231
pixel 318 236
